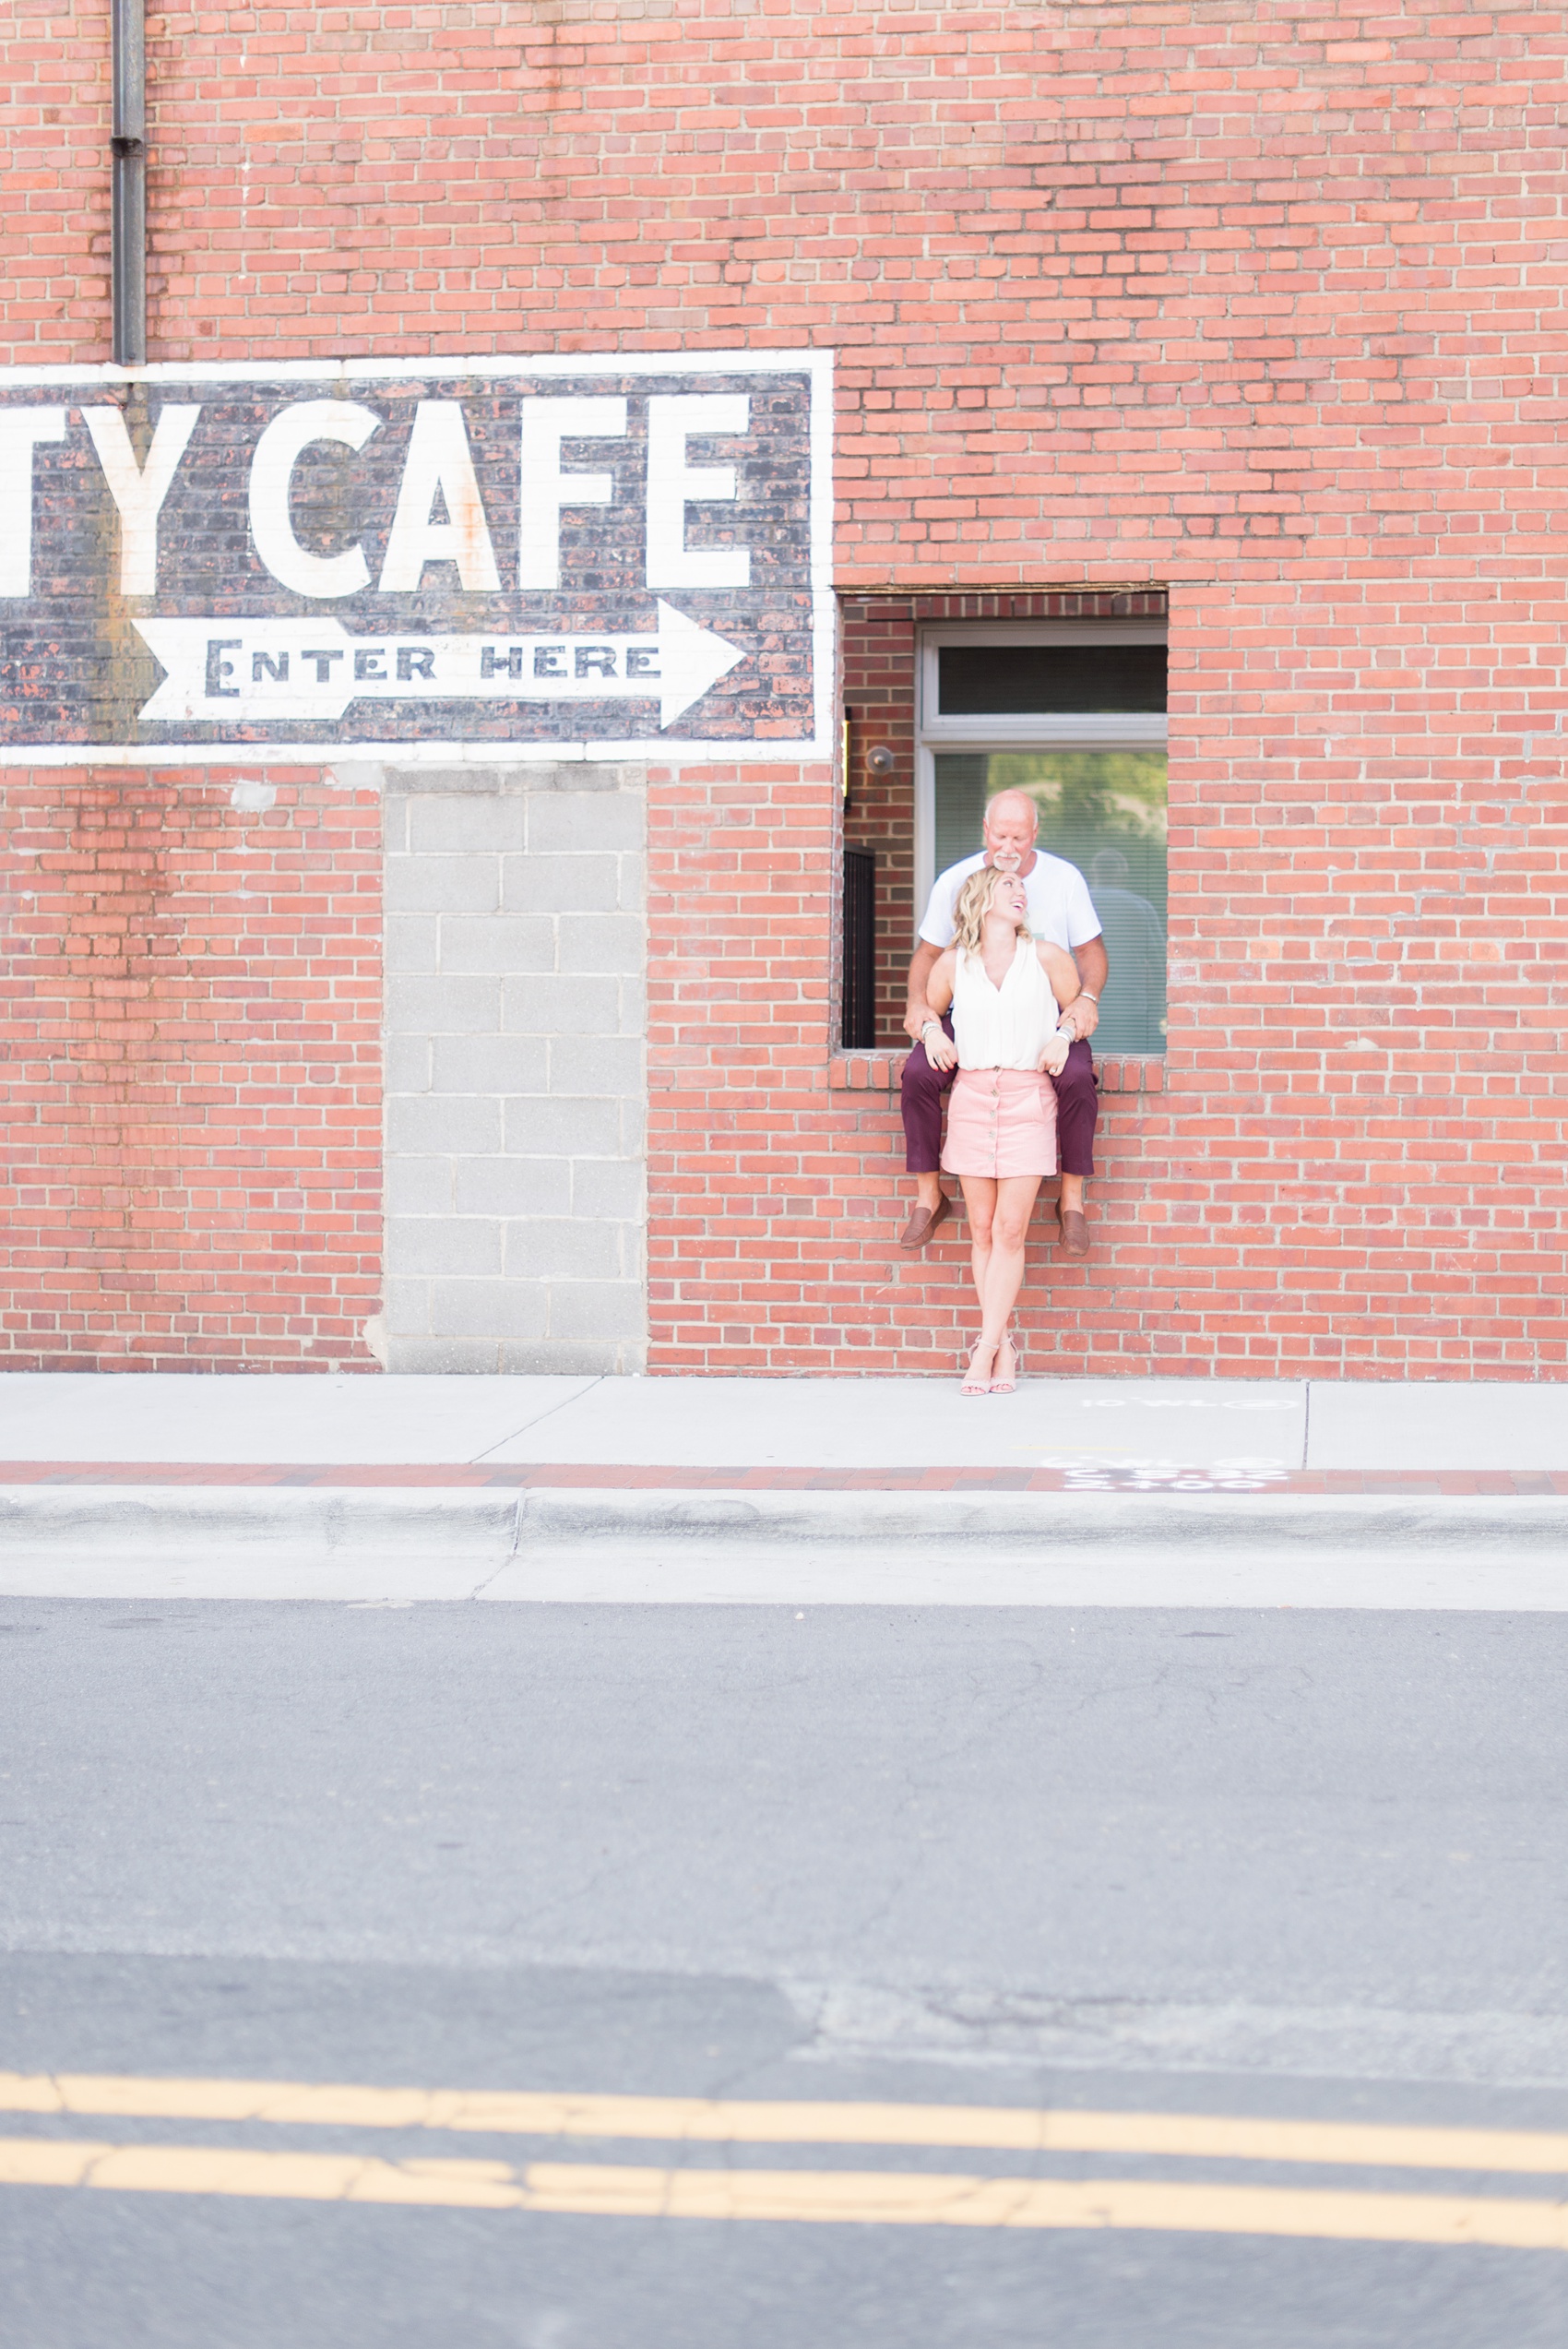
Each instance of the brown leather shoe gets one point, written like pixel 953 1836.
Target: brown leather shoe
pixel 1075 1232
pixel 923 1222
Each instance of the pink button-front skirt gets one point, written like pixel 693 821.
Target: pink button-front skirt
pixel 1000 1122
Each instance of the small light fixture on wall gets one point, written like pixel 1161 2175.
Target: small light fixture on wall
pixel 880 760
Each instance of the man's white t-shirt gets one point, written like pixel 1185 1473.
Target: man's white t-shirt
pixel 1061 909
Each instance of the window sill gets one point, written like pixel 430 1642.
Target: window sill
pixel 878 1072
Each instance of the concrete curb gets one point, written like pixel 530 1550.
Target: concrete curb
pixel 1046 1524
pixel 480 1531
pixel 164 1522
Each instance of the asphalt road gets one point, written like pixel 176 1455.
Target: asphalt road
pixel 1307 1866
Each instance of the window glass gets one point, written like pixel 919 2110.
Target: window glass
pixel 1023 680
pixel 1105 812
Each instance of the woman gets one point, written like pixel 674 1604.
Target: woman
pixel 1007 992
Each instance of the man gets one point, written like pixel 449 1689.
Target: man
pixel 1062 910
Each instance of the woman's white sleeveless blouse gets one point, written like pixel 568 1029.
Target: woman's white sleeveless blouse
pixel 1005 1027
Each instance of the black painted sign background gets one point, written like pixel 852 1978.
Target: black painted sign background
pixel 607 656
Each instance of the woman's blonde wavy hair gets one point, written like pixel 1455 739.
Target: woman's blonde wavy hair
pixel 974 904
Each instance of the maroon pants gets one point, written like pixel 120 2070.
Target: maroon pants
pixel 1076 1108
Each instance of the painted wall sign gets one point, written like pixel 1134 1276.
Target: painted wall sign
pixel 598 557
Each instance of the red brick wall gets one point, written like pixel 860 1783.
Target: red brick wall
pixel 190 1004
pixel 746 1161
pixel 1260 306
pixel 54 162
pixel 783 1258
pixel 1354 1168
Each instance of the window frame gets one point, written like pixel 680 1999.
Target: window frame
pixel 1114 729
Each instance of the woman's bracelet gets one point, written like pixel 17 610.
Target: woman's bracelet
pixel 926 1027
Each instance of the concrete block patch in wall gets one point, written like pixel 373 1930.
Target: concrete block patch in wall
pixel 517 1076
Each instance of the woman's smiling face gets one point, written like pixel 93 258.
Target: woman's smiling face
pixel 1010 898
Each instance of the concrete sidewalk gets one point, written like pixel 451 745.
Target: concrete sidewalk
pixel 1121 1426
pixel 1074 1491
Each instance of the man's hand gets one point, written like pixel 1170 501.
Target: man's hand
pixel 940 1049
pixel 1053 1059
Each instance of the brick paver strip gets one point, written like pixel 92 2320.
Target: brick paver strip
pixel 1410 1482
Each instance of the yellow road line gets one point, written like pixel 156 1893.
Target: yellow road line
pixel 904 2200
pixel 823 2197
pixel 696 2120
pixel 310 2177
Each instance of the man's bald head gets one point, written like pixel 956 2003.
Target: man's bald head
pixel 1010 808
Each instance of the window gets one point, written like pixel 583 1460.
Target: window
pixel 1074 715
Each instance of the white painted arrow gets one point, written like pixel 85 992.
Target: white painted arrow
pixel 250 672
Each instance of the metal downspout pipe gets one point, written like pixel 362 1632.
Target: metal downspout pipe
pixel 128 209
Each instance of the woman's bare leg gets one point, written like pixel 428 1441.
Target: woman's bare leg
pixel 979 1205
pixel 1007 1233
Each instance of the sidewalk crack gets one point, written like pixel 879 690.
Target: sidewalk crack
pixel 528 1423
